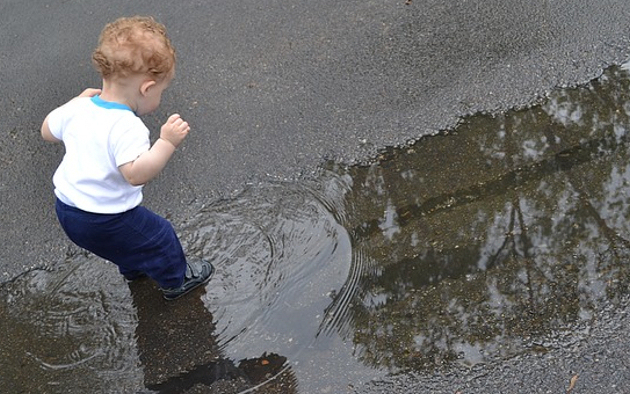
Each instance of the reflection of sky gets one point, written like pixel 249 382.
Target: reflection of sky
pixel 615 201
pixel 533 149
pixel 388 224
pixel 563 111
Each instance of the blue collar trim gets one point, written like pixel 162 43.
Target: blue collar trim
pixel 109 104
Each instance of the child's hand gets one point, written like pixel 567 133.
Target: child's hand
pixel 174 130
pixel 90 92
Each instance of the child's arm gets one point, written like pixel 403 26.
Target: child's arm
pixel 46 134
pixel 149 164
pixel 45 130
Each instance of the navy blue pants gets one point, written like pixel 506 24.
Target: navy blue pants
pixel 137 241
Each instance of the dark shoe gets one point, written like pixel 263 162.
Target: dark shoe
pixel 198 272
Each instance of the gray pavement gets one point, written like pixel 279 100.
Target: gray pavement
pixel 274 88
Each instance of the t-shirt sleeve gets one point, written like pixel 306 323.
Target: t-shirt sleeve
pixel 130 142
pixel 56 120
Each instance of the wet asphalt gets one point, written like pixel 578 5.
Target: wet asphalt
pixel 272 89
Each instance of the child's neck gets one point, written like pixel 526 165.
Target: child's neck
pixel 120 93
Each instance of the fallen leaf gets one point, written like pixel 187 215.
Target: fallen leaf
pixel 572 383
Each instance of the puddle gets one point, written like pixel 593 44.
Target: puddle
pixel 504 236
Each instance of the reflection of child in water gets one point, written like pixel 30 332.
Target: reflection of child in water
pixel 109 158
pixel 179 352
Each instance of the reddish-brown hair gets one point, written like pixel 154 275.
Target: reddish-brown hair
pixel 134 45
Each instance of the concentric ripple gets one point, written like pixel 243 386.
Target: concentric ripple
pixel 282 258
pixel 69 328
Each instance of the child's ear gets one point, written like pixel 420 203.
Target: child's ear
pixel 146 85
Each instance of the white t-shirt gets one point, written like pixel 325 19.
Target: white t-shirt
pixel 99 137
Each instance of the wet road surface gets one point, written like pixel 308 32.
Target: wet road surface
pixel 490 258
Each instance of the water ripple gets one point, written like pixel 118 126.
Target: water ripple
pixel 73 324
pixel 281 258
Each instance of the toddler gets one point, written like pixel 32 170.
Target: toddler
pixel 109 158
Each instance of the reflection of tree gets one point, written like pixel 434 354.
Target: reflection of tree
pixel 497 237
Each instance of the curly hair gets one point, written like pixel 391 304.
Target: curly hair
pixel 134 45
